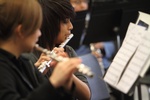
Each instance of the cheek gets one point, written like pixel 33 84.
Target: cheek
pixel 60 38
pixel 37 35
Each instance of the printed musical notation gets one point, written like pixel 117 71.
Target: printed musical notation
pixel 130 60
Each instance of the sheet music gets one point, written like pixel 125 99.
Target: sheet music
pixel 130 59
pixel 146 67
pixel 136 64
pixel 131 27
pixel 144 20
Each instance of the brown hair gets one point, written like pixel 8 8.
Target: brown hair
pixel 27 13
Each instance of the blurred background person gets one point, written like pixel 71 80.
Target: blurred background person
pixel 107 48
pixel 79 5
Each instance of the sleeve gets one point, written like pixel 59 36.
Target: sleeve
pixel 13 88
pixel 30 56
pixel 109 48
pixel 72 53
pixel 52 92
pixel 81 77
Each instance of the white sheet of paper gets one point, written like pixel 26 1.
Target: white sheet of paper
pixel 121 75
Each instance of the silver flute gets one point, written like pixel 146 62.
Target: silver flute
pixel 66 41
pixel 45 64
pixel 81 67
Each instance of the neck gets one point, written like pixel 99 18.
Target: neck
pixel 11 48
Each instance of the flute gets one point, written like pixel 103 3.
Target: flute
pixel 81 67
pixel 92 48
pixel 61 46
pixel 66 41
pixel 45 64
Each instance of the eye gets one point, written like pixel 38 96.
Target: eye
pixel 76 1
pixel 66 20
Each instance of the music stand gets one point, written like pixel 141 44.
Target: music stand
pixel 103 21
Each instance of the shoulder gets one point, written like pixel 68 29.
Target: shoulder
pixel 29 56
pixel 68 47
pixel 71 52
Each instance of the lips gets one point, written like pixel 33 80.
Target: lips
pixel 67 35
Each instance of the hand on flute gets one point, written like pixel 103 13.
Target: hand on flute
pixel 81 67
pixel 44 59
pixel 59 52
pixel 65 69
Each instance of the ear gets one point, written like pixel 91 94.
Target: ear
pixel 18 31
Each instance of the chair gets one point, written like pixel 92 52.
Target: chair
pixel 98 87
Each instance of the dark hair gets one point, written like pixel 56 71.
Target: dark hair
pixel 54 12
pixel 27 13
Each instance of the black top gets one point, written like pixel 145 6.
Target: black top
pixel 20 80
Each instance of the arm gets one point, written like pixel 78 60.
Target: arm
pixel 107 46
pixel 82 90
pixel 110 49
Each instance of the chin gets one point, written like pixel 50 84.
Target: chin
pixel 29 50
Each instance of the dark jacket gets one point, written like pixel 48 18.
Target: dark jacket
pixel 19 80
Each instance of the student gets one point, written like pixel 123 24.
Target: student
pixel 20 22
pixel 107 48
pixel 55 29
pixel 79 5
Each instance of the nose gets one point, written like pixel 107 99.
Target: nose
pixel 39 33
pixel 70 25
pixel 83 6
